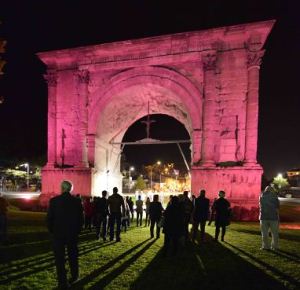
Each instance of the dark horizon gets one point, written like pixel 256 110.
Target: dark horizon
pixel 32 27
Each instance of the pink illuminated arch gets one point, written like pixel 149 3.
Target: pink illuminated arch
pixel 174 82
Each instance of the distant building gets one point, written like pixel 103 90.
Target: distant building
pixel 293 176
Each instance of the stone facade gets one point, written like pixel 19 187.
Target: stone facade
pixel 208 80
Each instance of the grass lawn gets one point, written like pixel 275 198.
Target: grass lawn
pixel 136 263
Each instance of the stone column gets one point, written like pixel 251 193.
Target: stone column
pixel 254 61
pixel 82 78
pixel 197 143
pixel 209 110
pixel 51 79
pixel 91 149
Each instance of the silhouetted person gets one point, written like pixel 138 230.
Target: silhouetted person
pixel 127 210
pixel 147 203
pixel 125 218
pixel 88 209
pixel 173 224
pixel 130 204
pixel 101 212
pixel 193 198
pixel 116 208
pixel 200 214
pixel 139 211
pixel 155 214
pixel 269 217
pixel 124 223
pixel 64 221
pixel 212 212
pixel 3 218
pixel 188 209
pixel 222 208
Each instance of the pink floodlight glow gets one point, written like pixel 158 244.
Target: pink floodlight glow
pixel 95 93
pixel 289 226
pixel 27 197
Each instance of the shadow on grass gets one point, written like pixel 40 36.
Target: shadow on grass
pixel 283 236
pixel 116 272
pixel 207 265
pixel 266 266
pixel 292 256
pixel 28 237
pixel 103 268
pixel 38 246
pixel 38 264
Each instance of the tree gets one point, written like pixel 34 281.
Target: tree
pixel 280 182
pixel 140 183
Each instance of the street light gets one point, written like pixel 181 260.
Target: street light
pixel 26 165
pixel 159 163
pixel 131 168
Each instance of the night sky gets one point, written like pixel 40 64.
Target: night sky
pixel 34 26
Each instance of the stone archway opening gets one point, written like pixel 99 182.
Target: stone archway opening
pixel 123 110
pixel 174 170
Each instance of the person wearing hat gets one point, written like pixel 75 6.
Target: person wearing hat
pixel 269 217
pixel 222 209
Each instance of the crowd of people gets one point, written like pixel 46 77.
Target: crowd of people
pixel 108 215
pixel 68 214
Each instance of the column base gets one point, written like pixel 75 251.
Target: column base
pixel 242 185
pixel 52 177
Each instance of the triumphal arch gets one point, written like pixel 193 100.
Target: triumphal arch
pixel 208 80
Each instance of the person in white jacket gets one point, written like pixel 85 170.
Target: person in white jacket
pixel 269 217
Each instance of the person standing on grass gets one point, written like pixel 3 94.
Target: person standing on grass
pixel 147 220
pixel 222 208
pixel 3 218
pixel 155 215
pixel 212 212
pixel 188 209
pixel 130 204
pixel 116 209
pixel 101 213
pixel 64 221
pixel 88 208
pixel 200 214
pixel 139 211
pixel 173 227
pixel 269 217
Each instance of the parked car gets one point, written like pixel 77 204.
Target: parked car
pixel 292 192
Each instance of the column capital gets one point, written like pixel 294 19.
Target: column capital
pixel 82 76
pixel 209 60
pixel 254 58
pixel 51 79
